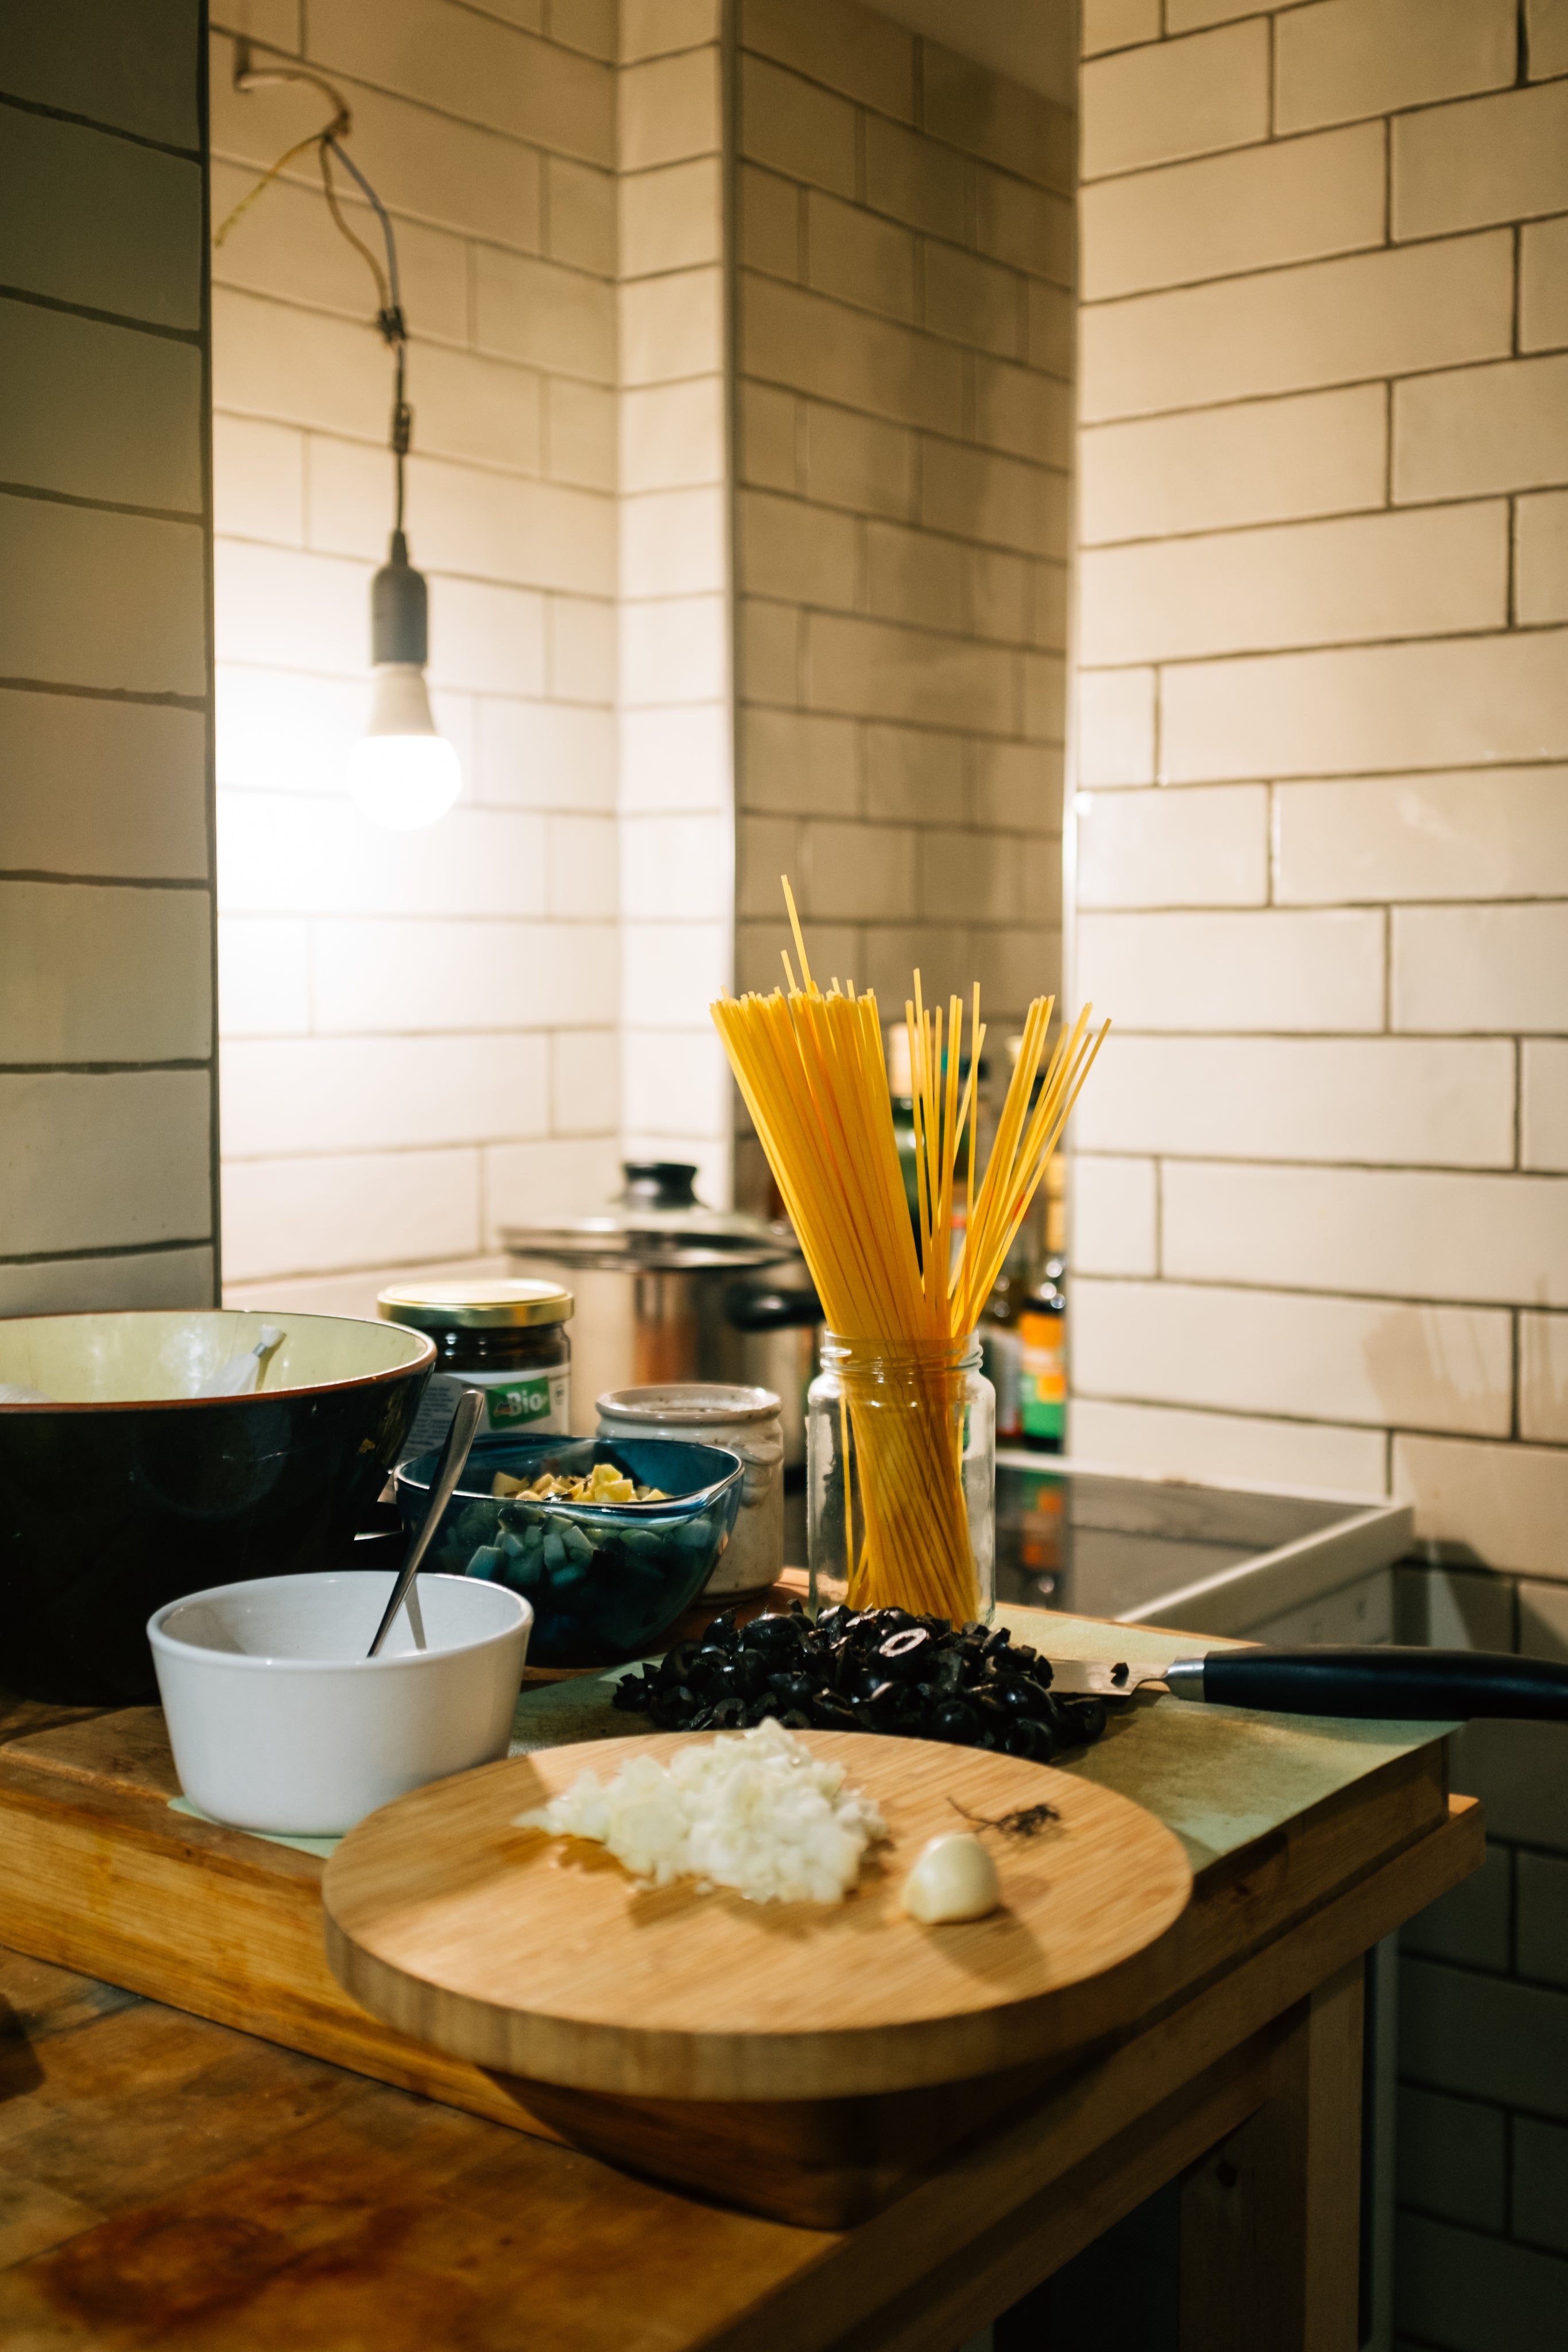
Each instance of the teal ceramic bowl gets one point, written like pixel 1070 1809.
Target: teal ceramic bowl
pixel 605 1580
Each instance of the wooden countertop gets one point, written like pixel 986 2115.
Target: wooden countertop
pixel 168 2181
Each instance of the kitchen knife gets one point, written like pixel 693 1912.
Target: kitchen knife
pixel 1402 1686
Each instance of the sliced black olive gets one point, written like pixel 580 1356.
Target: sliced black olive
pixel 945 1671
pixel 792 1690
pixel 955 1721
pixel 832 1713
pixel 903 1654
pixel 751 1671
pixel 773 1637
pixel 878 1706
pixel 1083 1720
pixel 722 1630
pixel 847 1665
pixel 676 1662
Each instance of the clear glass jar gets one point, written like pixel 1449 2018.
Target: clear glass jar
pixel 900 1479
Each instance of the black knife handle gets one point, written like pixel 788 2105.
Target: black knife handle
pixel 1405 1686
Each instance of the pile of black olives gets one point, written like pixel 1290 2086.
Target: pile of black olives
pixel 874 1670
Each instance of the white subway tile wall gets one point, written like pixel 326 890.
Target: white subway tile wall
pixel 1324 450
pixel 107 1101
pixel 1302 335
pixel 904 357
pixel 399 1009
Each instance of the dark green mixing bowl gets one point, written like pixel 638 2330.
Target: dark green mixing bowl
pixel 124 1491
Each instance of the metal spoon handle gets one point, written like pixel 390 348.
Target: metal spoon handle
pixel 448 1470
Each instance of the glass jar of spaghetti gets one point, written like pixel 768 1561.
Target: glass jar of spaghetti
pixel 900 1479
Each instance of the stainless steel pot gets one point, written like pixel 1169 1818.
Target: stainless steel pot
pixel 668 1290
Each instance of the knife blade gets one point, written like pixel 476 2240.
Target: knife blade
pixel 1396 1684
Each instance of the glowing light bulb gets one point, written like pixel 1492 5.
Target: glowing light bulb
pixel 401 772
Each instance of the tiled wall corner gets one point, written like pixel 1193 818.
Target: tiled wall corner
pixel 108 1125
pixel 676 794
pixel 904 288
pixel 1323 887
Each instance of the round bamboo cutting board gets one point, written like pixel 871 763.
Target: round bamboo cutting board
pixel 541 1957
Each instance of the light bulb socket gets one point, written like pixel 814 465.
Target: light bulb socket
pixel 400 610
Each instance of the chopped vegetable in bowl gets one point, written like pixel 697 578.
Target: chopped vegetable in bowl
pixel 606 1572
pixel 604 1485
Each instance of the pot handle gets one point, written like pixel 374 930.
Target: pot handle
pixel 768 1307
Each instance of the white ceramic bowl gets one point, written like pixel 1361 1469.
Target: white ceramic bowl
pixel 279 1721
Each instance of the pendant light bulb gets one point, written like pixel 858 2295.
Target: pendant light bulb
pixel 402 772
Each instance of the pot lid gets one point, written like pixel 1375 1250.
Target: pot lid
pixel 656 1222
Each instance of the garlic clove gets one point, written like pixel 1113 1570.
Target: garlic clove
pixel 953 1878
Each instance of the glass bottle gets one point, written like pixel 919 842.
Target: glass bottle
pixel 1042 1331
pixel 916 1435
pixel 1001 1342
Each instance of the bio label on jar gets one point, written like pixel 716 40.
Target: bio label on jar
pixel 531 1406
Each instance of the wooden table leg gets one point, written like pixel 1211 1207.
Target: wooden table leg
pixel 1270 2219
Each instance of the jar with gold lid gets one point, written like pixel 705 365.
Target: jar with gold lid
pixel 508 1339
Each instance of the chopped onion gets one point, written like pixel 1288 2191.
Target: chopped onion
pixel 758 1813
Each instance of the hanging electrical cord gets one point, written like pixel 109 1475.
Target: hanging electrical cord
pixel 328 143
pixel 402 772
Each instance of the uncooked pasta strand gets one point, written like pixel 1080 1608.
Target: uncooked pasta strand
pixel 812 1072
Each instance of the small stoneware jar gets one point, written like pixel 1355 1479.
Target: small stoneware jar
pixel 745 1421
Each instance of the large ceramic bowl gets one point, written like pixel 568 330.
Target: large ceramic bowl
pixel 125 1490
pixel 605 1580
pixel 278 1721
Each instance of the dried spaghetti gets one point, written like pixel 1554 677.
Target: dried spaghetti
pixel 812 1072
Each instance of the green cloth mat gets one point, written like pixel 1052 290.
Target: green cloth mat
pixel 317 1845
pixel 591 1718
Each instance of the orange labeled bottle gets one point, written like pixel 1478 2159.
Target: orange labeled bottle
pixel 1042 1331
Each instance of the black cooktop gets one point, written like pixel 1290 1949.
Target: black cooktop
pixel 1098 1546
pixel 1094 1545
